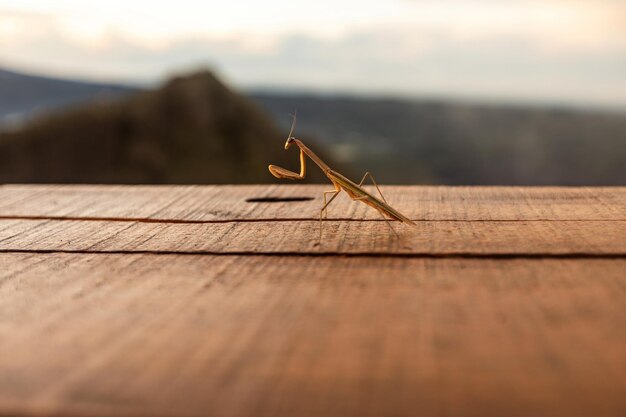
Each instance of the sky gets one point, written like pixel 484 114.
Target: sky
pixel 550 51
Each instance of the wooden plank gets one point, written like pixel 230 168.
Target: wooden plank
pixel 582 238
pixel 211 203
pixel 164 334
pixel 209 335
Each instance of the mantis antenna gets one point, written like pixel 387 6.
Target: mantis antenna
pixel 293 123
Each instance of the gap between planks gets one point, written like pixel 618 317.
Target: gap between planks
pixel 428 255
pixel 277 219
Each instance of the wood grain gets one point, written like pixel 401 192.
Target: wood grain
pixel 94 334
pixel 190 301
pixel 582 238
pixel 211 203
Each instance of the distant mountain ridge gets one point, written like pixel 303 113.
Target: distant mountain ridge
pixel 400 141
pixel 23 95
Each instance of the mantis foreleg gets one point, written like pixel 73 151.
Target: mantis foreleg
pixel 279 172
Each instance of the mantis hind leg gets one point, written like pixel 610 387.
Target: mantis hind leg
pixel 382 215
pixel 374 181
pixel 382 196
pixel 389 224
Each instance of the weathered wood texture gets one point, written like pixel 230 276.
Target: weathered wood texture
pixel 481 221
pixel 302 237
pixel 209 324
pixel 215 203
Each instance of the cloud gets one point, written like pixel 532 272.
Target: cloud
pixel 398 59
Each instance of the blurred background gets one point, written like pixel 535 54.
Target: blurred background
pixel 417 92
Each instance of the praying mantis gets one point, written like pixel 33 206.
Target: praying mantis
pixel 354 191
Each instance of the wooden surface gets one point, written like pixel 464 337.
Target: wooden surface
pixel 189 301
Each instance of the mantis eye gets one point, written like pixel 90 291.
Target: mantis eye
pixel 288 143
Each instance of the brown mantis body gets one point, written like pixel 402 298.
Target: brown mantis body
pixel 354 191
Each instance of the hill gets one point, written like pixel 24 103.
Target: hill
pixel 192 130
pixel 23 95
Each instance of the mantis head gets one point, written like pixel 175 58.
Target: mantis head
pixel 290 140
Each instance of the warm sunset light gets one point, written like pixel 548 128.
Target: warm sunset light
pixel 292 208
pixel 554 51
